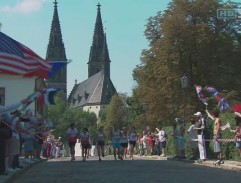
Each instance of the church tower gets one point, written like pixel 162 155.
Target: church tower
pixel 56 52
pixel 99 56
pixel 94 94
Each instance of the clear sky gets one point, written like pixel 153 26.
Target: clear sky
pixel 29 22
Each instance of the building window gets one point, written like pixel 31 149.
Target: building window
pixel 2 96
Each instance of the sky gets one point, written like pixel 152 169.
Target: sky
pixel 29 22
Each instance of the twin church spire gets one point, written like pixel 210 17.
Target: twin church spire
pixel 99 55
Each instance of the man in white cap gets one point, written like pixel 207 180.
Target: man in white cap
pixel 200 129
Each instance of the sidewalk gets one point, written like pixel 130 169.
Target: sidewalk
pixel 12 175
pixel 228 165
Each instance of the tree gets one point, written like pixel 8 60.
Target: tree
pixel 62 117
pixel 188 39
pixel 116 115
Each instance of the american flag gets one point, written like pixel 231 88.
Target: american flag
pixel 17 59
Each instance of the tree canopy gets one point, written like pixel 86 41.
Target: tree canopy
pixel 187 38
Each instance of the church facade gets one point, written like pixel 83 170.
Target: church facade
pixel 94 94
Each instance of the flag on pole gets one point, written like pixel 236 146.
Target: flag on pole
pixel 17 59
pixel 56 66
pixel 222 103
pixel 200 94
pixel 47 98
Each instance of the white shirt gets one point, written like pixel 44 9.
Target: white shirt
pixel 133 136
pixel 161 135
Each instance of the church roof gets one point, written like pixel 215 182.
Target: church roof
pixel 96 90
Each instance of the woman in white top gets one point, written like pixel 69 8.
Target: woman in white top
pixel 100 142
pixel 132 141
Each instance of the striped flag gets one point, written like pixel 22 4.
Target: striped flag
pixel 17 59
pixel 47 98
pixel 222 102
pixel 224 127
pixel 200 94
pixel 56 66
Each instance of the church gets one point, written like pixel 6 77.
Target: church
pixel 94 93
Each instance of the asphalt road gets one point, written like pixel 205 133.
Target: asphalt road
pixel 139 170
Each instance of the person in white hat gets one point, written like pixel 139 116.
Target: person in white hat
pixel 200 129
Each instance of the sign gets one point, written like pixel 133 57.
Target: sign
pixel 229 13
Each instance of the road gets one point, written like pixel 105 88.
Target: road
pixel 139 170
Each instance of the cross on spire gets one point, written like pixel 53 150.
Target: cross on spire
pixel 55 3
pixel 99 5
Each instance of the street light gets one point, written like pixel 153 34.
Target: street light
pixel 184 84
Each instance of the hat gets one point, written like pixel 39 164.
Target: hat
pixel 198 114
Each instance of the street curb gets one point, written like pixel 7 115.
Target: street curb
pixel 14 176
pixel 209 163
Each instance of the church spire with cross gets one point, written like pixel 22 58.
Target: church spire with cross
pixel 56 52
pixel 95 63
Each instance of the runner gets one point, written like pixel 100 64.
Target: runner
pixel 100 142
pixel 85 142
pixel 124 144
pixel 132 141
pixel 72 135
pixel 116 142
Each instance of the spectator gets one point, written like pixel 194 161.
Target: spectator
pixel 238 133
pixel 214 115
pixel 192 136
pixel 151 143
pixel 162 135
pixel 200 127
pixel 175 139
pixel 6 132
pixel 180 138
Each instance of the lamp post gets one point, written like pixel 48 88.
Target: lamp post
pixel 184 84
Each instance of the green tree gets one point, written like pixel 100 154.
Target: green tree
pixel 116 115
pixel 62 117
pixel 188 39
